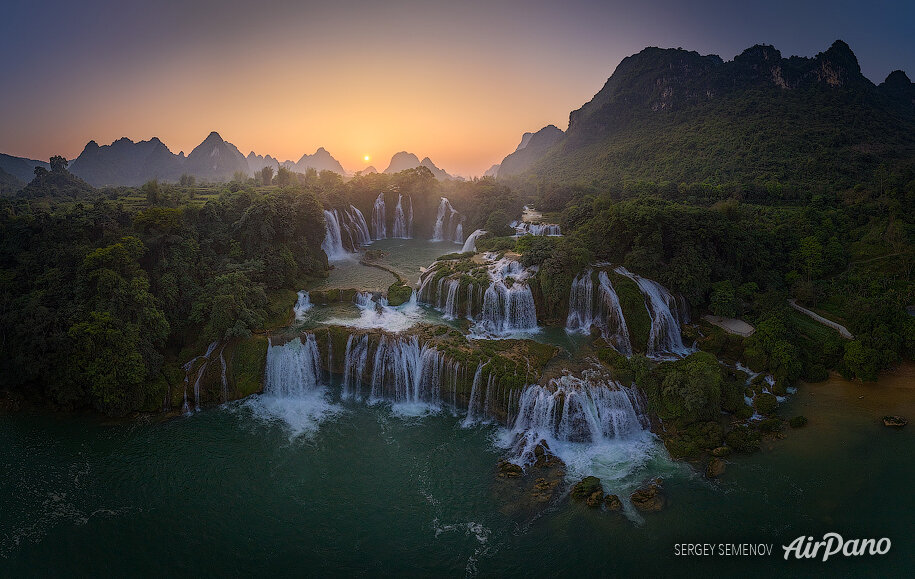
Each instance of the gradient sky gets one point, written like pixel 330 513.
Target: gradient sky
pixel 458 81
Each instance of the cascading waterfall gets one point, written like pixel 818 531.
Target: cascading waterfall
pixel 591 409
pixel 302 305
pixel 450 308
pixel 333 240
pixel 508 304
pixel 449 224
pixel 379 224
pixel 473 404
pixel 356 227
pixel 225 381
pixel 505 307
pixel 471 243
pixel 610 312
pixel 507 310
pixel 665 312
pixel 185 407
pixel 545 229
pixel 294 386
pixel 602 310
pixel 581 303
pixel 403 220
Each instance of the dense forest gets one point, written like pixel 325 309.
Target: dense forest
pixel 103 290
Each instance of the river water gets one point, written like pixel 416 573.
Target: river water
pixel 224 492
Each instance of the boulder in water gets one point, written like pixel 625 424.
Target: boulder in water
pixel 596 499
pixel 585 488
pixel 613 503
pixel 509 469
pixel 649 498
pixel 894 421
pixel 715 468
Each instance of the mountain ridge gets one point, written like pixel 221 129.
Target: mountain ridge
pixel 676 115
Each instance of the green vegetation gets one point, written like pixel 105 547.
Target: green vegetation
pixel 399 293
pixel 95 297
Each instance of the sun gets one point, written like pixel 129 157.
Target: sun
pixel 366 158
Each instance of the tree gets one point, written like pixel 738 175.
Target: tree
pixel 266 175
pixel 58 163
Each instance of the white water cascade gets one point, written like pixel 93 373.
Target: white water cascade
pixel 525 228
pixel 402 371
pixel 666 312
pixel 379 223
pixel 508 304
pixel 449 224
pixel 505 307
pixel 353 223
pixel 592 409
pixel 471 243
pixel 333 239
pixel 302 305
pixel 344 232
pixel 403 219
pixel 294 386
pixel 602 310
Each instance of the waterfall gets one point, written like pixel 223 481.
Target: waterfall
pixel 225 381
pixel 356 227
pixel 186 407
pixel 378 218
pixel 581 303
pixel 471 243
pixel 473 403
pixel 665 312
pixel 294 386
pixel 406 372
pixel 590 409
pixel 505 307
pixel 507 310
pixel 450 308
pixel 449 224
pixel 610 312
pixel 525 228
pixel 302 305
pixel 403 222
pixel 354 361
pixel 333 240
pixel 508 304
pixel 606 314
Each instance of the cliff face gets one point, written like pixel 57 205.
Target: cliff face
pixel 676 115
pixel 531 149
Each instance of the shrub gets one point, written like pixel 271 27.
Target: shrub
pixel 798 421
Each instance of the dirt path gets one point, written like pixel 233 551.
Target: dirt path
pixel 843 331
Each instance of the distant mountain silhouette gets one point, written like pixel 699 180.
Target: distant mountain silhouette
pixel 321 160
pixel 215 160
pixel 258 162
pixel 125 162
pixel 494 170
pixel 20 167
pixel 404 160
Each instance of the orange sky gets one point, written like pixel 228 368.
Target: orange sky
pixel 456 81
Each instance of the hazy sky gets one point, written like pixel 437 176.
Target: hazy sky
pixel 457 81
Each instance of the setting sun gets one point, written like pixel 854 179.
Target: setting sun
pixel 366 158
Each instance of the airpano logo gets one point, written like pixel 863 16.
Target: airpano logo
pixel 833 544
